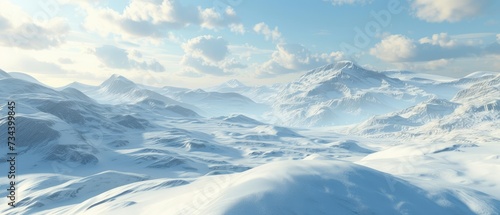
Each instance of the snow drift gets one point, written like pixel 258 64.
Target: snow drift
pixel 288 187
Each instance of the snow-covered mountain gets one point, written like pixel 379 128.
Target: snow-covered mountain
pixel 25 77
pixel 408 118
pixel 260 94
pixel 487 89
pixel 343 93
pixel 219 104
pixel 53 123
pixel 232 85
pixel 480 105
pixel 119 90
pixel 475 105
pixel 413 144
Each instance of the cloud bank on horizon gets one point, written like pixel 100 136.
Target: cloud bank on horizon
pixel 198 43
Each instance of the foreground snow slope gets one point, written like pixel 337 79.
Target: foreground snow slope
pixel 287 187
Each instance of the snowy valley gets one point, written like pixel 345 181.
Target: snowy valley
pixel 341 139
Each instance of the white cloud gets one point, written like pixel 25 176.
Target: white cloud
pixel 35 36
pixel 168 12
pixel 153 19
pixel 394 48
pixel 232 63
pixel 441 39
pixel 32 65
pixel 65 61
pixel 237 28
pixel 209 48
pixel 447 10
pixel 213 19
pixel 498 38
pixel 199 66
pixel 114 57
pixel 247 51
pixel 18 29
pixel 134 54
pixel 4 23
pixel 289 58
pixel 208 55
pixel 107 21
pixel 398 48
pixel 263 28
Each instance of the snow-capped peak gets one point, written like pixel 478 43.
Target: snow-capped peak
pixel 118 84
pixel 341 69
pixel 343 77
pixel 342 93
pixel 335 67
pixel 116 77
pixel 233 83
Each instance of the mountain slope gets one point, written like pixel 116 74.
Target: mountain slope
pixel 477 105
pixel 342 93
pixel 219 104
pixel 119 90
pixel 409 118
pixel 261 94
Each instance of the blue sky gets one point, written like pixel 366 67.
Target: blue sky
pixel 202 43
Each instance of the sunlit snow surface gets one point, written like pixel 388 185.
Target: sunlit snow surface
pixel 339 140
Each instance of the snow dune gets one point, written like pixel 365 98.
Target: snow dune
pixel 287 187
